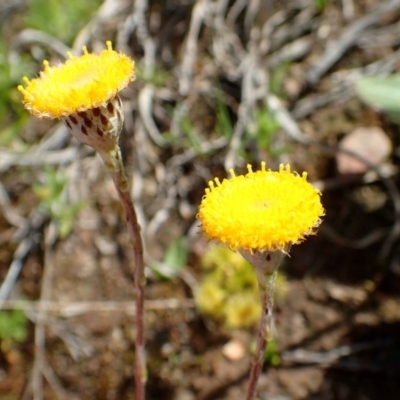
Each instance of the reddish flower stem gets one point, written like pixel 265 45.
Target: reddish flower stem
pixel 114 163
pixel 266 264
pixel 262 341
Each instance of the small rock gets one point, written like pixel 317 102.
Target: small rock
pixel 370 143
pixel 234 350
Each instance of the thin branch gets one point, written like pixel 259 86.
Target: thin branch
pixel 349 37
pixel 40 333
pixel 73 309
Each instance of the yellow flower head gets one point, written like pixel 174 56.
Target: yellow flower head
pixel 81 83
pixel 260 211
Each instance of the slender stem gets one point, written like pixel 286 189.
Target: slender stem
pixel 266 264
pixel 262 341
pixel 114 163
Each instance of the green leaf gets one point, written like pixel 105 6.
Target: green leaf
pixel 174 259
pixel 272 355
pixel 13 325
pixel 13 130
pixel 54 203
pixel 176 254
pixel 60 18
pixel 381 92
pixel 321 4
pixel 223 125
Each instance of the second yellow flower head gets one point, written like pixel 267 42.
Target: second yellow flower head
pixel 262 210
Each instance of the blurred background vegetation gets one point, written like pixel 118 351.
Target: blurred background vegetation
pixel 219 84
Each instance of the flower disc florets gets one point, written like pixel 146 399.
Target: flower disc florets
pixel 81 83
pixel 262 210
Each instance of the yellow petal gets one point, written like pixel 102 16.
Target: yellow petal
pixel 262 210
pixel 81 83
